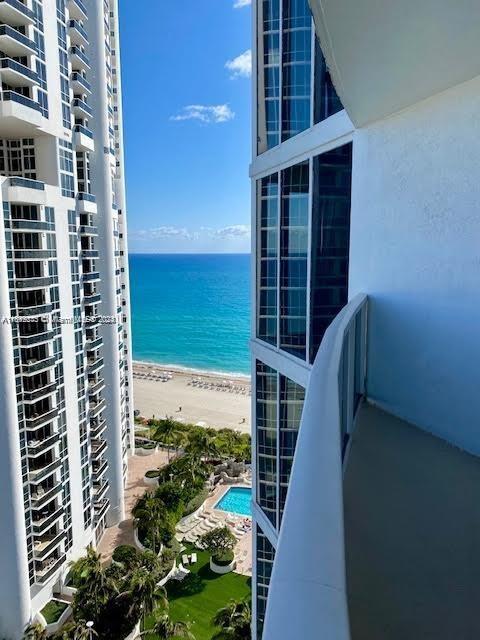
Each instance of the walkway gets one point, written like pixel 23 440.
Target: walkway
pixel 412 520
pixel 123 532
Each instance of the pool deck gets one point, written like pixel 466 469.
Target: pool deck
pixel 243 550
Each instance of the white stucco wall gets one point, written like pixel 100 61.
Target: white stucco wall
pixel 415 249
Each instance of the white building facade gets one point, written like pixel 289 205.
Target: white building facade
pixel 65 373
pixel 366 264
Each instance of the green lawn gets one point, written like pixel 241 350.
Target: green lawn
pixel 201 595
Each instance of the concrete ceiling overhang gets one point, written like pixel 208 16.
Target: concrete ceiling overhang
pixel 386 55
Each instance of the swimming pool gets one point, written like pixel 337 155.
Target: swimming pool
pixel 236 500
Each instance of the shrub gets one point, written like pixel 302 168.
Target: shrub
pixel 196 502
pixel 218 541
pixel 149 445
pixel 126 554
pixel 53 610
pixel 223 559
pixel 171 494
pixel 153 473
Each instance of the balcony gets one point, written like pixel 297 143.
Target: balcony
pixel 379 534
pixel 91 276
pixel 94 388
pixel 36 421
pixel 86 203
pixel 46 521
pixel 77 10
pixel 48 569
pixel 38 447
pixel 40 497
pixel 81 109
pixel 35 310
pixel 45 545
pixel 16 74
pixel 36 366
pixel 15 13
pixel 78 35
pixel 97 428
pixel 33 254
pixel 41 392
pixel 94 343
pixel 15 44
pixel 92 298
pixel 100 491
pixel 26 191
pixel 100 509
pixel 95 408
pixel 90 253
pixel 38 475
pixel 94 365
pixel 83 138
pixel 20 116
pixel 33 283
pixel 87 230
pixel 98 448
pixel 79 59
pixel 79 83
pixel 98 470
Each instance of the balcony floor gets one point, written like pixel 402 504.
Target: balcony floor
pixel 412 522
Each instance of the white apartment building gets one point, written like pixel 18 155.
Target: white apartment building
pixel 65 344
pixel 366 323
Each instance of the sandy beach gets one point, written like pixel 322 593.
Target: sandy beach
pixel 218 400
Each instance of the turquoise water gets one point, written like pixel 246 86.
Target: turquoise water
pixel 191 311
pixel 236 500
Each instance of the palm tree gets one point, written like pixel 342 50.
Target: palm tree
pixel 234 621
pixel 191 467
pixel 166 432
pixel 145 592
pixel 35 632
pixel 166 628
pixel 149 513
pixel 201 443
pixel 87 566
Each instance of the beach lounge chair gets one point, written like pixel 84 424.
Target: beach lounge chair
pixel 185 559
pixel 194 558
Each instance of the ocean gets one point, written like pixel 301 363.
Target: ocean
pixel 191 311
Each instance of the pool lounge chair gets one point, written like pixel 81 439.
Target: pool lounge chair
pixel 185 560
pixel 193 558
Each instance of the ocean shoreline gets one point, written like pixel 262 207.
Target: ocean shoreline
pixel 190 371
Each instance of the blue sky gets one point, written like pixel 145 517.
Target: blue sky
pixel 187 102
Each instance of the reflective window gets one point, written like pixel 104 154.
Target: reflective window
pixel 268 75
pixel 267 258
pixel 326 101
pixel 266 409
pixel 265 558
pixel 296 67
pixel 332 175
pixel 292 397
pixel 293 259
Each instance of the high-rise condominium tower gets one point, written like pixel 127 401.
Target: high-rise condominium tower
pixel 65 375
pixel 365 339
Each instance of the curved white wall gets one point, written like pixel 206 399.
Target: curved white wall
pixel 415 247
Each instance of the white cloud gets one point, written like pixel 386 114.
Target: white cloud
pixel 241 66
pixel 231 232
pixel 160 233
pixel 209 114
pixel 239 4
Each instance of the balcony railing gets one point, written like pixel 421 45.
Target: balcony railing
pixel 13 65
pixel 91 276
pixel 99 470
pixel 34 366
pixel 44 546
pixel 27 183
pixel 33 254
pixel 76 51
pixel 39 498
pixel 34 283
pixel 96 408
pixel 75 24
pixel 88 230
pixel 89 197
pixel 37 475
pixel 94 344
pixel 309 567
pixel 6 30
pixel 100 509
pixel 37 447
pixel 30 396
pixel 77 77
pixel 18 6
pixel 21 99
pixel 79 128
pixel 97 428
pixel 81 104
pixel 35 421
pixel 46 572
pixel 35 310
